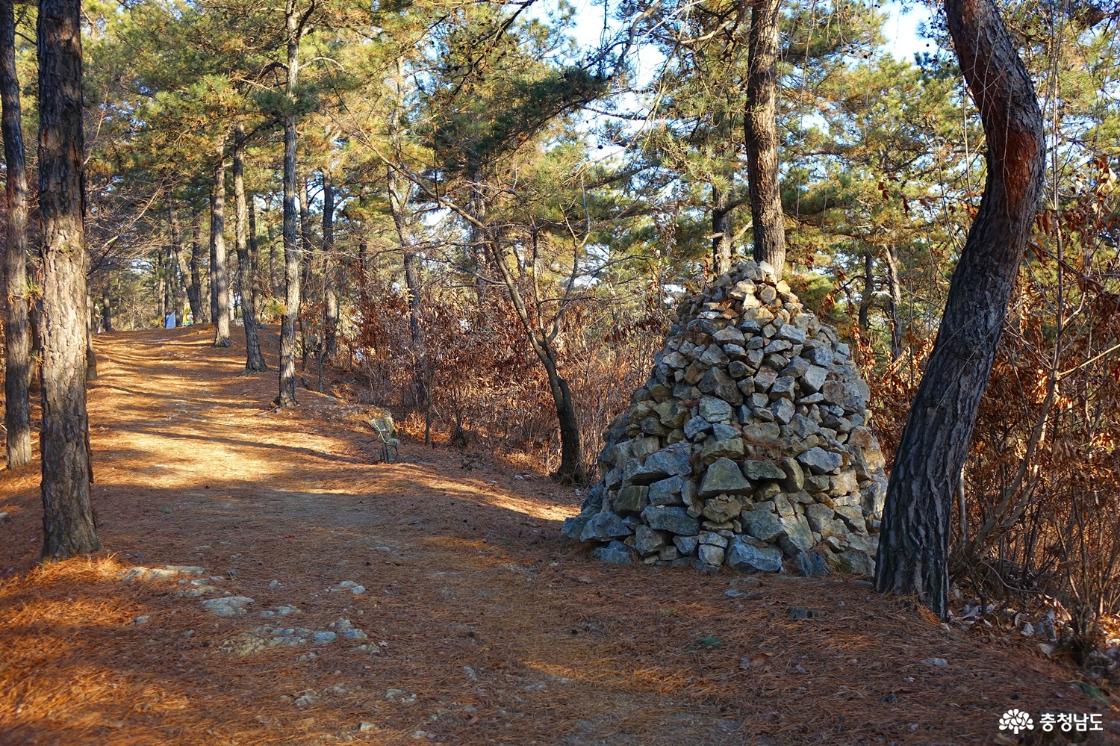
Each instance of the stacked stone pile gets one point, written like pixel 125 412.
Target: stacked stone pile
pixel 748 446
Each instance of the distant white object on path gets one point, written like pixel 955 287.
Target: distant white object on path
pixel 169 321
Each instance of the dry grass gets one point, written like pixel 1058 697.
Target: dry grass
pixel 504 632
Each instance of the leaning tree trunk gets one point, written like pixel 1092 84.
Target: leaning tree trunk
pixel 914 543
pixel 68 522
pixel 254 360
pixel 254 255
pixel 292 249
pixel 17 334
pixel 219 264
pixel 761 127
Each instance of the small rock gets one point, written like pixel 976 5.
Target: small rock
pixel 937 662
pixel 142 619
pixel 323 637
pixel 803 612
pixel 227 606
pixel 306 699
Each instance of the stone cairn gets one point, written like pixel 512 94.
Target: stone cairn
pixel 748 446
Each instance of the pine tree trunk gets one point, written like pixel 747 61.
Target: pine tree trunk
pixel 13 292
pixel 761 126
pixel 293 253
pixel 68 522
pixel 194 291
pixel 898 326
pixel 914 542
pixel 178 263
pixel 219 265
pixel 331 276
pixel 254 360
pixel 721 233
pixel 868 293
pixel 254 255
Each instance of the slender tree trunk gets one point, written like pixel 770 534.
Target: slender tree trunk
pixel 898 326
pixel 868 294
pixel 93 320
pixel 309 259
pixel 721 232
pixel 106 310
pixel 194 292
pixel 179 267
pixel 914 542
pixel 761 126
pixel 254 360
pixel 68 521
pixel 17 334
pixel 331 276
pixel 254 254
pixel 292 250
pixel 219 265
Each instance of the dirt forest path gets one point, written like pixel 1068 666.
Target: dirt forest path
pixel 481 624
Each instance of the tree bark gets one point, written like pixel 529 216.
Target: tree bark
pixel 194 292
pixel 293 251
pixel 106 310
pixel 868 294
pixel 761 125
pixel 898 326
pixel 68 521
pixel 254 254
pixel 914 542
pixel 219 264
pixel 254 360
pixel 178 263
pixel 331 276
pixel 721 232
pixel 17 333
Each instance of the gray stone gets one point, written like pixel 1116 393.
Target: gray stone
pixel 710 554
pixel 574 526
pixel 821 461
pixel 666 491
pixel 717 383
pixel 722 508
pixel 604 527
pixel 850 394
pixel 762 525
pixel 630 499
pixel 783 386
pixel 728 334
pixel 792 333
pixel 762 471
pixel 814 378
pixel 793 478
pixel 723 477
pixel 686 545
pixel 711 537
pixel 696 427
pixel 324 637
pixel 647 541
pixel 714 448
pixel 227 606
pixel 747 555
pixel 818 354
pixel 615 553
pixel 783 410
pixel 714 356
pixel 810 564
pixel 670 518
pixel 715 410
pixel 671 460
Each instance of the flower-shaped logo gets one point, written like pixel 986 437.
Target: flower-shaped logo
pixel 1016 721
